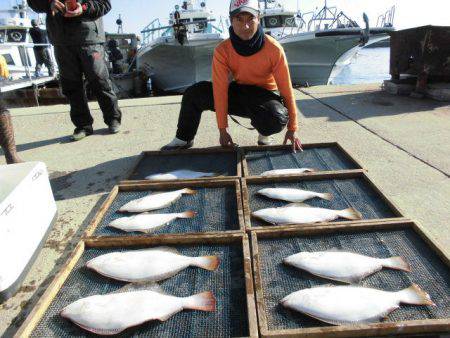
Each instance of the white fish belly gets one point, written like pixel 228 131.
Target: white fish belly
pixel 296 215
pixel 114 313
pixel 343 304
pixel 285 172
pixel 341 266
pixel 143 222
pixel 178 174
pixel 290 195
pixel 140 265
pixel 152 202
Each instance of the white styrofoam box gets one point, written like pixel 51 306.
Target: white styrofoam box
pixel 27 210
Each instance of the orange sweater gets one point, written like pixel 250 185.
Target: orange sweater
pixel 267 69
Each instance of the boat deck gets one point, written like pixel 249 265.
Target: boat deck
pixel 11 85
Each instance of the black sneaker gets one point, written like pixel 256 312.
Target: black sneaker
pixel 82 132
pixel 114 127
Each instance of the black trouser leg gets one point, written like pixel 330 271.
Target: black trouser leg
pixel 196 99
pixel 48 62
pixel 72 85
pixel 264 108
pixel 96 71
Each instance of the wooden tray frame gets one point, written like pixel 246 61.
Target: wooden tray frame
pixel 245 150
pixel 180 184
pixel 432 326
pixel 45 301
pixel 211 150
pixel 361 174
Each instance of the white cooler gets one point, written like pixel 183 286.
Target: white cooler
pixel 27 212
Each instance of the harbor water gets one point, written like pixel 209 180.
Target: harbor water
pixel 370 65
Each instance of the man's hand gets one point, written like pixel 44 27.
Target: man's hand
pixel 75 13
pixel 296 144
pixel 225 138
pixel 57 6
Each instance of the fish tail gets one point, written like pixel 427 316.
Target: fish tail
pixel 189 191
pixel 188 214
pixel 326 196
pixel 415 295
pixel 350 213
pixel 210 263
pixel 396 263
pixel 204 301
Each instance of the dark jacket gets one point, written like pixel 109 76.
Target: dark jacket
pixel 83 30
pixel 39 37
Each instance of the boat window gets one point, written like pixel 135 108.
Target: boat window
pixel 17 35
pixel 2 36
pixel 9 59
pixel 184 20
pixel 200 26
pixel 276 21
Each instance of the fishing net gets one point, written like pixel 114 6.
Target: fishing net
pixel 223 163
pixel 354 192
pixel 227 283
pixel 428 271
pixel 322 159
pixel 216 209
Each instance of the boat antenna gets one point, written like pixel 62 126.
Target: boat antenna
pixel 119 23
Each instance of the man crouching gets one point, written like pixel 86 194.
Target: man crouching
pixel 258 65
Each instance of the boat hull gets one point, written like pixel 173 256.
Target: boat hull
pixel 174 67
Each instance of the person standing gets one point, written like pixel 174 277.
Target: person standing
pixel 79 38
pixel 261 89
pixel 41 53
pixel 6 128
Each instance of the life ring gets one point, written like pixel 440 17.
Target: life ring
pixel 16 36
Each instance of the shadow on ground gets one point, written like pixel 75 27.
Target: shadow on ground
pixel 94 180
pixel 365 105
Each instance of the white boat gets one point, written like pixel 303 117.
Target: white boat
pixel 318 48
pixel 16 44
pixel 180 54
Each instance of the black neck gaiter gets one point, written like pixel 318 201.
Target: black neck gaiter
pixel 249 47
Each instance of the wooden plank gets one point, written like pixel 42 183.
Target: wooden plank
pixel 347 331
pixel 44 302
pixel 251 304
pixel 261 308
pixel 184 239
pixel 102 211
pixel 337 175
pixel 307 146
pixel 180 184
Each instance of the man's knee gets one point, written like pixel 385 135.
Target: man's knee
pixel 200 94
pixel 272 118
pixel 70 87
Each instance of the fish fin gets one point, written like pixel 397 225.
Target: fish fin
pixel 188 214
pixel 310 170
pixel 189 191
pixel 350 213
pixel 326 196
pixel 396 263
pixel 209 263
pixel 204 301
pixel 296 205
pixel 415 295
pixel 141 286
pixel 167 249
pixel 168 316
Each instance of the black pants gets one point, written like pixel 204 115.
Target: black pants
pixel 264 108
pixel 76 61
pixel 42 56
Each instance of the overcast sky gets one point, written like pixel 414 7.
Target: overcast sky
pixel 137 14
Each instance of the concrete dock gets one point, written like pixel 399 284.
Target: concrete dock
pixel 403 142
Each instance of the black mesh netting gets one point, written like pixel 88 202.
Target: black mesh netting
pixel 322 159
pixel 222 163
pixel 227 283
pixel 347 193
pixel 216 209
pixel 428 271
